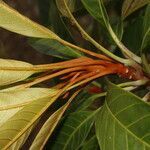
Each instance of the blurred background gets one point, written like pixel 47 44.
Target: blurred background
pixel 14 46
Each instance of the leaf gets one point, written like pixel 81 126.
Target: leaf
pixel 132 36
pixel 146 29
pixel 146 40
pixel 62 8
pixel 19 143
pixel 51 17
pixel 146 64
pixel 12 76
pixel 11 20
pixel 130 6
pixel 91 144
pixel 74 131
pixel 20 123
pixel 97 9
pixel 13 101
pixel 54 48
pixel 87 102
pixel 77 102
pixel 49 126
pixel 20 98
pixel 123 122
pixel 47 129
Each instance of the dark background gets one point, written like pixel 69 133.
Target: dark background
pixel 14 46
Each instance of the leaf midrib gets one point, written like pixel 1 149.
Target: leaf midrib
pixel 78 128
pixel 29 125
pixel 124 127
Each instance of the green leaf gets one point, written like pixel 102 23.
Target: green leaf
pixel 91 144
pixel 54 48
pixel 146 41
pixel 97 9
pixel 87 102
pixel 77 102
pixel 130 6
pixel 146 29
pixel 123 122
pixel 20 123
pixel 8 76
pixel 49 126
pixel 132 36
pixel 74 131
pixel 11 20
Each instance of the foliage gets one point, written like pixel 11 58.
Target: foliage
pixel 84 109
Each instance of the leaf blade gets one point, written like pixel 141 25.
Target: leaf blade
pixel 54 48
pixel 74 131
pixel 91 144
pixel 18 124
pixel 12 76
pixel 120 104
pixel 146 40
pixel 20 98
pixel 49 126
pixel 130 6
pixel 11 20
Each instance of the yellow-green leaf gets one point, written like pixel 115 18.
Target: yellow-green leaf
pixel 19 143
pixel 16 126
pixel 49 126
pixel 13 101
pixel 11 20
pixel 11 76
pixel 20 98
pixel 130 6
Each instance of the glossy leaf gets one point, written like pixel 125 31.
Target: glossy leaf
pixel 130 6
pixel 12 76
pixel 74 131
pixel 11 20
pixel 54 48
pixel 49 126
pixel 16 126
pixel 123 122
